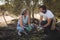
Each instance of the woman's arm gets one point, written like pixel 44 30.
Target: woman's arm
pixel 21 23
pixel 49 21
pixel 28 19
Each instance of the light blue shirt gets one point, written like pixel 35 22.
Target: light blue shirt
pixel 24 20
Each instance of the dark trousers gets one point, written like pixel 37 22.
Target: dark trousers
pixel 47 30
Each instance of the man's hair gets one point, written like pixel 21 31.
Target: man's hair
pixel 43 7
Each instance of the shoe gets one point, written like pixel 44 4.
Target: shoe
pixel 45 36
pixel 25 33
pixel 19 33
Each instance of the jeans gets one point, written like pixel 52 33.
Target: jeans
pixel 27 28
pixel 20 29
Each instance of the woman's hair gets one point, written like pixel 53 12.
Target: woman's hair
pixel 23 11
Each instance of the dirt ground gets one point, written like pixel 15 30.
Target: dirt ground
pixel 10 33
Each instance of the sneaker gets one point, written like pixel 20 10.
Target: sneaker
pixel 19 33
pixel 25 33
pixel 45 36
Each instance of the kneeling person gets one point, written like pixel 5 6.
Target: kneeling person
pixel 48 19
pixel 24 20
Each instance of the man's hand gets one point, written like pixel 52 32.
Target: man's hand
pixel 44 26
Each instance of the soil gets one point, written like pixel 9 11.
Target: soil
pixel 10 33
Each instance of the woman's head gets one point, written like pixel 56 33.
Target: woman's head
pixel 24 12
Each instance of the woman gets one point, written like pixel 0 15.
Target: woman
pixel 24 20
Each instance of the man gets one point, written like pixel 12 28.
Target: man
pixel 48 17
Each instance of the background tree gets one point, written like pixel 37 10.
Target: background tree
pixel 53 5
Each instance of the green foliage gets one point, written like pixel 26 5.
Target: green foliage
pixel 17 5
pixel 54 5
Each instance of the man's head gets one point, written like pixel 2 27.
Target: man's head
pixel 43 8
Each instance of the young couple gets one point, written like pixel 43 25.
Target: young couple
pixel 45 14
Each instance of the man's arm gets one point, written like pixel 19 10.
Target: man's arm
pixel 41 18
pixel 49 21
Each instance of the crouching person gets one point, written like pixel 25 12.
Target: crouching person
pixel 48 19
pixel 24 20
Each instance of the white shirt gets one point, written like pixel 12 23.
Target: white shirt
pixel 47 15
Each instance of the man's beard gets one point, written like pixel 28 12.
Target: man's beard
pixel 44 11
